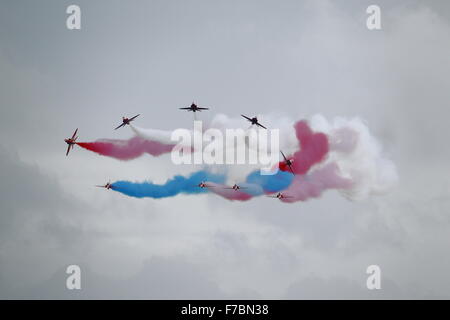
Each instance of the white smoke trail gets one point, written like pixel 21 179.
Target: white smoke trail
pixel 161 136
pixel 357 154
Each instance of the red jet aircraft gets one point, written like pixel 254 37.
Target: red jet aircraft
pixel 235 187
pixel 71 141
pixel 254 120
pixel 106 186
pixel 126 121
pixel 194 108
pixel 203 185
pixel 287 162
pixel 279 195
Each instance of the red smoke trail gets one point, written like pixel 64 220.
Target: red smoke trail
pixel 312 185
pixel 229 194
pixel 126 149
pixel 313 149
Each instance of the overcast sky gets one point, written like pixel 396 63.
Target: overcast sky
pixel 152 57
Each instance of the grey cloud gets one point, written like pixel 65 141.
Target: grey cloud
pixel 298 57
pixel 159 278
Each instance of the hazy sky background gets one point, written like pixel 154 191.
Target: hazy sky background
pixel 297 58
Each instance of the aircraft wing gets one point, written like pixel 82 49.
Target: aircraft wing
pixel 203 108
pixel 246 117
pixel 284 157
pixel 119 126
pixel 74 134
pixel 134 117
pixel 68 149
pixel 290 168
pixel 258 124
pixel 187 108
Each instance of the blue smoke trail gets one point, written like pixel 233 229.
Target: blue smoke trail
pixel 258 184
pixel 172 187
pixel 255 185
